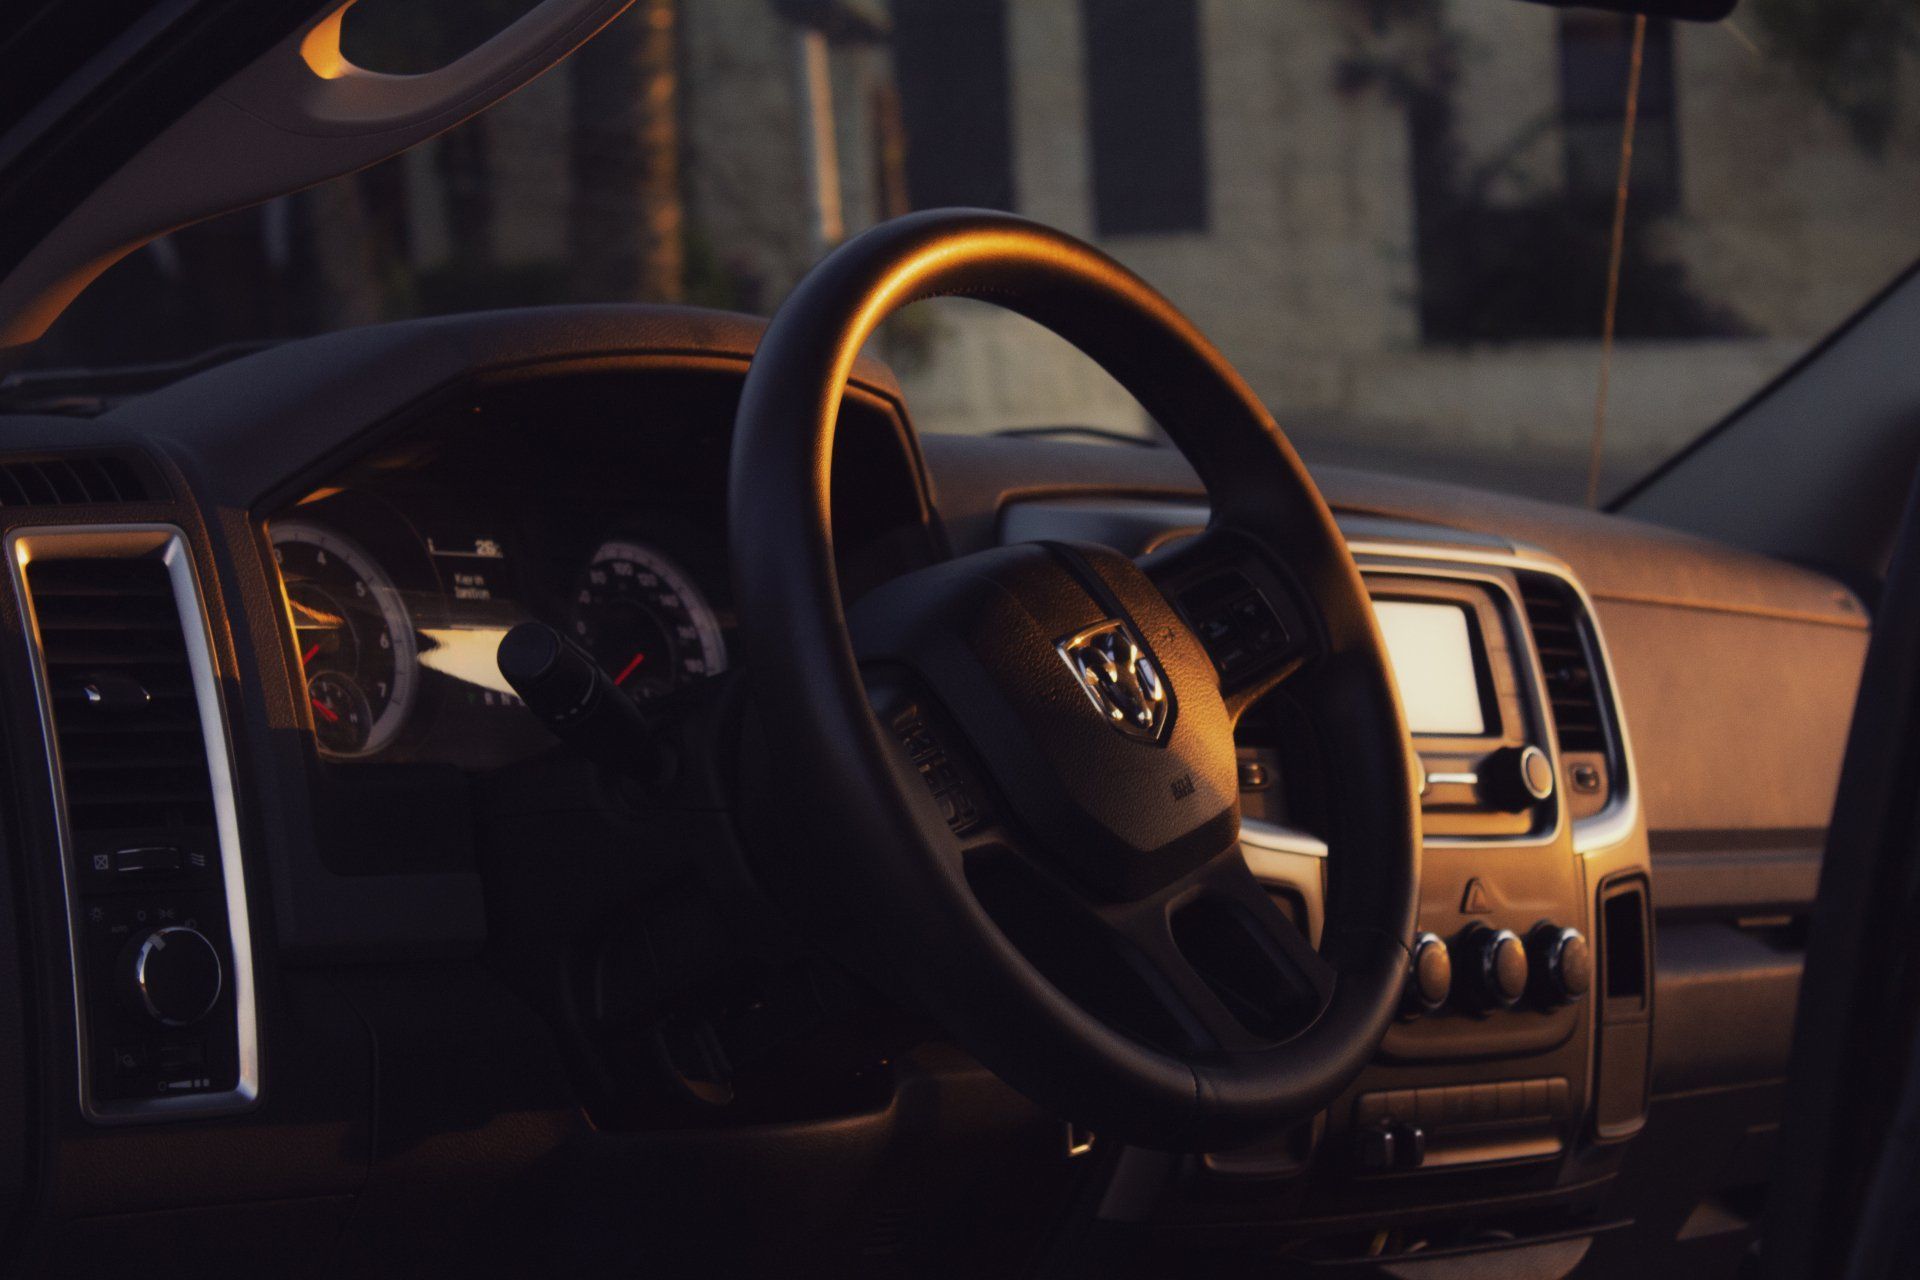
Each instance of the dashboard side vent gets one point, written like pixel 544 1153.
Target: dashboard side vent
pixel 128 689
pixel 126 721
pixel 1555 618
pixel 60 480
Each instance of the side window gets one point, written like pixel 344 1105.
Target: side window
pixel 950 62
pixel 1146 115
pixel 1596 51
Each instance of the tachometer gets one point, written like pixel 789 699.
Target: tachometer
pixel 646 622
pixel 357 647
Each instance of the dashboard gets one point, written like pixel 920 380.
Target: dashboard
pixel 445 948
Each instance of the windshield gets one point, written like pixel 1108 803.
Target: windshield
pixel 1403 221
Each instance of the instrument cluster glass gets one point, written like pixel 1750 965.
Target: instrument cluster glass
pixel 358 649
pixel 397 619
pixel 645 622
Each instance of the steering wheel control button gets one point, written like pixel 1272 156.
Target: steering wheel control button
pixel 1429 976
pixel 951 782
pixel 173 975
pixel 1562 962
pixel 1516 778
pixel 1239 628
pixel 1494 966
pixel 1258 629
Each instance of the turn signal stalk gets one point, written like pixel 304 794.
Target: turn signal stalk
pixel 580 704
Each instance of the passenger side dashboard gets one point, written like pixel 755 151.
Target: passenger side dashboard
pixel 1732 675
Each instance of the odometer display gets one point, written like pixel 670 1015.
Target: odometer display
pixel 357 646
pixel 645 622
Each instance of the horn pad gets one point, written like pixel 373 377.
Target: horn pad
pixel 1092 707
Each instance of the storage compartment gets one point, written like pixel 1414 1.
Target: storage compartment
pixel 1626 1009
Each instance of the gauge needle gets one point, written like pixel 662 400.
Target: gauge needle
pixel 308 656
pixel 333 717
pixel 629 669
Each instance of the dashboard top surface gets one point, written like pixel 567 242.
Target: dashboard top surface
pixel 245 436
pixel 1615 557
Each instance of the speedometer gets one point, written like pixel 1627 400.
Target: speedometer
pixel 646 622
pixel 357 648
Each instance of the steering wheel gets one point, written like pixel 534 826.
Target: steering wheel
pixel 1009 779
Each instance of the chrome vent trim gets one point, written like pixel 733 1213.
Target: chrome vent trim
pixel 168 545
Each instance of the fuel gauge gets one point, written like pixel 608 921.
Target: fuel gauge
pixel 342 717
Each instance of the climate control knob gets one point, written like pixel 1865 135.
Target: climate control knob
pixel 1429 976
pixel 172 975
pixel 1495 966
pixel 1562 962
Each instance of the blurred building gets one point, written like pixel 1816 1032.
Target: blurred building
pixel 1392 215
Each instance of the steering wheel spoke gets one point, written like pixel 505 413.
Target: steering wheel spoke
pixel 1214 966
pixel 1210 1017
pixel 1301 967
pixel 1226 964
pixel 1242 604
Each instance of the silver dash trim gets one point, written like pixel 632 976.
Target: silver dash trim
pixel 168 544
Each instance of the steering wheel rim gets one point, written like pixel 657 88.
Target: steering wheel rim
pixel 869 839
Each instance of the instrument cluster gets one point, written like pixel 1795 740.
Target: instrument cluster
pixel 592 499
pixel 396 616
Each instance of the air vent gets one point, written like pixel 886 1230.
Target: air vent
pixel 125 719
pixel 70 480
pixel 1554 616
pixel 130 707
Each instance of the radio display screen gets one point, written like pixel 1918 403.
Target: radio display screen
pixel 1431 648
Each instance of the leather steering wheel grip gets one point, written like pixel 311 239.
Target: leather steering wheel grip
pixel 853 831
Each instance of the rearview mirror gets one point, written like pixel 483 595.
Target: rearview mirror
pixel 1685 10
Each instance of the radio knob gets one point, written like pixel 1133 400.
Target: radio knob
pixel 1429 975
pixel 1563 961
pixel 1496 967
pixel 1516 778
pixel 172 974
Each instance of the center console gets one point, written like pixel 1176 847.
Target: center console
pixel 1519 1064
pixel 1504 1056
